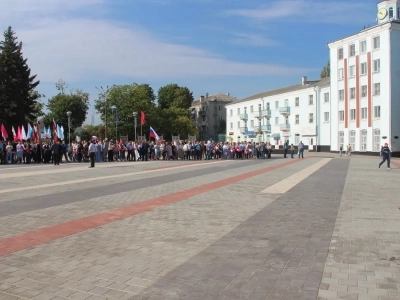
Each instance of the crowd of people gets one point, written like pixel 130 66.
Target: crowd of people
pixel 56 152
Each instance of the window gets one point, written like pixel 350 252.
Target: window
pixel 310 99
pixel 340 53
pixel 341 95
pixel 341 115
pixel 364 113
pixel 251 108
pixel 377 65
pixel 377 140
pixel 259 107
pixel 219 108
pixel 341 139
pixel 377 42
pixel 391 13
pixel 364 91
pixel 363 46
pixel 276 104
pixel 377 111
pixel 276 120
pixel 297 119
pixel 364 136
pixel 231 112
pixel 364 68
pixel 398 13
pixel 340 74
pixel 326 97
pixel 352 114
pixel 238 125
pixel 252 123
pixel 311 118
pixel 326 116
pixel 238 111
pixel 352 93
pixel 352 72
pixel 352 140
pixel 297 101
pixel 231 125
pixel 377 89
pixel 352 50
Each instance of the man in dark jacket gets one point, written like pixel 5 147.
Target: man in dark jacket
pixel 56 151
pixel 385 155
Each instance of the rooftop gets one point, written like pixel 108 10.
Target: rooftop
pixel 217 97
pixel 307 84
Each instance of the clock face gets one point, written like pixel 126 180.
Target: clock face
pixel 382 13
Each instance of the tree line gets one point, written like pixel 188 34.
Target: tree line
pixel 20 102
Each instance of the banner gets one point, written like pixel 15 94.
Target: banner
pixel 192 138
pixel 175 138
pixel 123 138
pixel 141 138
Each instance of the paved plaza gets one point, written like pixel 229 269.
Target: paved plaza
pixel 323 227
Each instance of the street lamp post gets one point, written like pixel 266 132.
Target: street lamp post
pixel 69 126
pixel 135 114
pixel 114 108
pixel 105 93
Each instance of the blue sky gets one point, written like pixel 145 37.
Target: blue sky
pixel 229 46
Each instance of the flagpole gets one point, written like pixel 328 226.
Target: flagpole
pixel 141 129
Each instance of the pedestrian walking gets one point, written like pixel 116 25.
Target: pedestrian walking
pixel 385 156
pixel 92 153
pixel 340 150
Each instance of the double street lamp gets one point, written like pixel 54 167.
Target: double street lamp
pixel 114 108
pixel 69 126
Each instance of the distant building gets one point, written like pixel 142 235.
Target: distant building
pixel 209 114
pixel 296 113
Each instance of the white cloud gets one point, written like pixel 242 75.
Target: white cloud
pixel 58 45
pixel 254 40
pixel 307 10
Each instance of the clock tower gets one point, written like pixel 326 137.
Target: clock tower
pixel 388 10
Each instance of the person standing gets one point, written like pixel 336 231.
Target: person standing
pixel 301 149
pixel 56 151
pixel 291 150
pixel 385 156
pixel 92 153
pixel 340 150
pixel 285 148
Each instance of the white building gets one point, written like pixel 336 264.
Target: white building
pixel 359 105
pixel 365 84
pixel 295 113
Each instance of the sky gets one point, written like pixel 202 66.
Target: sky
pixel 210 46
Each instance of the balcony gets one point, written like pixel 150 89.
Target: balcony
pixel 266 113
pixel 244 117
pixel 285 111
pixel 202 113
pixel 284 127
pixel 203 123
pixel 266 128
pixel 243 130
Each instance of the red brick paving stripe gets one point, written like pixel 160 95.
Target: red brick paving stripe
pixel 395 163
pixel 47 234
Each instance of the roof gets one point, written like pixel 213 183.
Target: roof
pixel 287 89
pixel 217 96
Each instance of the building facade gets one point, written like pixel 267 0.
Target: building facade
pixel 294 113
pixel 359 105
pixel 365 84
pixel 209 115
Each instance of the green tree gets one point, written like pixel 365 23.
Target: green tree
pixel 172 95
pixel 18 98
pixel 124 100
pixel 326 70
pixel 77 102
pixel 174 121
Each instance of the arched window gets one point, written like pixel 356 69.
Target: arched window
pixel 391 13
pixel 352 140
pixel 364 135
pixel 377 140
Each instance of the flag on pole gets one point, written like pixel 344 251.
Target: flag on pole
pixel 154 134
pixel 4 132
pixel 19 134
pixel 62 132
pixel 13 132
pixel 24 138
pixel 29 133
pixel 55 131
pixel 142 118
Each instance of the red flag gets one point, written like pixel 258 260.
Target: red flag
pixel 19 134
pixel 4 132
pixel 55 131
pixel 142 118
